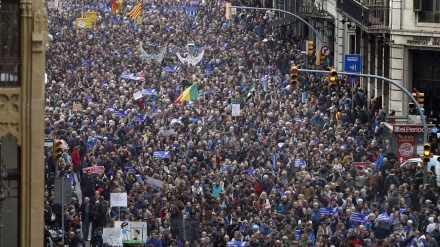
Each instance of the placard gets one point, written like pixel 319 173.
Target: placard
pixel 236 110
pixel 77 107
pixel 83 23
pixel 118 199
pixel 112 237
pixel 133 232
pixel 155 182
pixel 93 16
pixel 137 95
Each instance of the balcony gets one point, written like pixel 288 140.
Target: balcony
pixel 371 14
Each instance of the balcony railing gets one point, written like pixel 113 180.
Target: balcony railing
pixel 379 17
pixel 374 14
pixel 429 16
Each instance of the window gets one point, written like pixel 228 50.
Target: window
pixel 10 55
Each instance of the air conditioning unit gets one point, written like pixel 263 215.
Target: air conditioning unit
pixel 418 5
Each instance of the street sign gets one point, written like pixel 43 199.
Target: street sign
pixel 325 50
pixel 63 188
pixel 352 63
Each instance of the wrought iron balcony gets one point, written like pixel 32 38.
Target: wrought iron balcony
pixel 372 14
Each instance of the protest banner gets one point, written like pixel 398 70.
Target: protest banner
pixel 358 217
pixel 133 232
pixel 94 169
pixel 155 182
pixel 328 211
pixel 161 154
pixel 93 16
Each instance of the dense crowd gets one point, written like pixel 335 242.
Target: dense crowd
pixel 268 177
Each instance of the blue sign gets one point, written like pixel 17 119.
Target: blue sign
pixel 383 216
pixel 161 154
pixel 120 113
pixel 299 162
pixel 358 217
pixel 352 63
pixel 109 107
pixel 328 211
pixel 297 234
pixel 236 244
pixel 149 91
pixel 139 118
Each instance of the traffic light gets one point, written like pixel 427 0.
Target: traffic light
pixel 426 152
pixel 57 149
pixel 420 99
pixel 332 77
pixel 319 58
pixel 293 76
pixel 228 11
pixel 309 47
pixel 412 109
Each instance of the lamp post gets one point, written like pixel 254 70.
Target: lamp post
pixel 3 195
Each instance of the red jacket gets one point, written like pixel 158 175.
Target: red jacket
pixel 76 160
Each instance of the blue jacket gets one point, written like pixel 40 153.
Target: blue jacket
pixel 156 242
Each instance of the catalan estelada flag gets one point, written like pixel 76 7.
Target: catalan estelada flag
pixel 191 93
pixel 136 11
pixel 115 8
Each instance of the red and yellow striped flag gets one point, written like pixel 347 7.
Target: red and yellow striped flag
pixel 136 11
pixel 115 8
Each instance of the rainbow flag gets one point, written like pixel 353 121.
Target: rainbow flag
pixel 136 11
pixel 191 93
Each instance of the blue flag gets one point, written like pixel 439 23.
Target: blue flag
pixel 139 118
pixel 88 63
pixel 383 216
pixel 358 217
pixel 120 113
pixel 149 92
pixel 236 244
pixel 161 154
pixel 328 211
pixel 299 162
pixel 171 69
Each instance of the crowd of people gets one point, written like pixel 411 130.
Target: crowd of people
pixel 279 174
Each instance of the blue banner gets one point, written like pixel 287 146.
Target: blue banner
pixel 88 63
pixel 139 118
pixel 161 154
pixel 328 211
pixel 358 217
pixel 109 107
pixel 249 171
pixel 120 113
pixel 149 91
pixel 299 162
pixel 171 69
pixel 297 234
pixel 383 216
pixel 236 244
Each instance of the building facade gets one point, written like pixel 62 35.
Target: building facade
pixel 23 39
pixel 397 39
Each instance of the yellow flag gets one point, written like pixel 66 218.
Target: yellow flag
pixel 139 20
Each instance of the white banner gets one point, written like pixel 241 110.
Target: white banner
pixel 118 199
pixel 191 60
pixel 133 232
